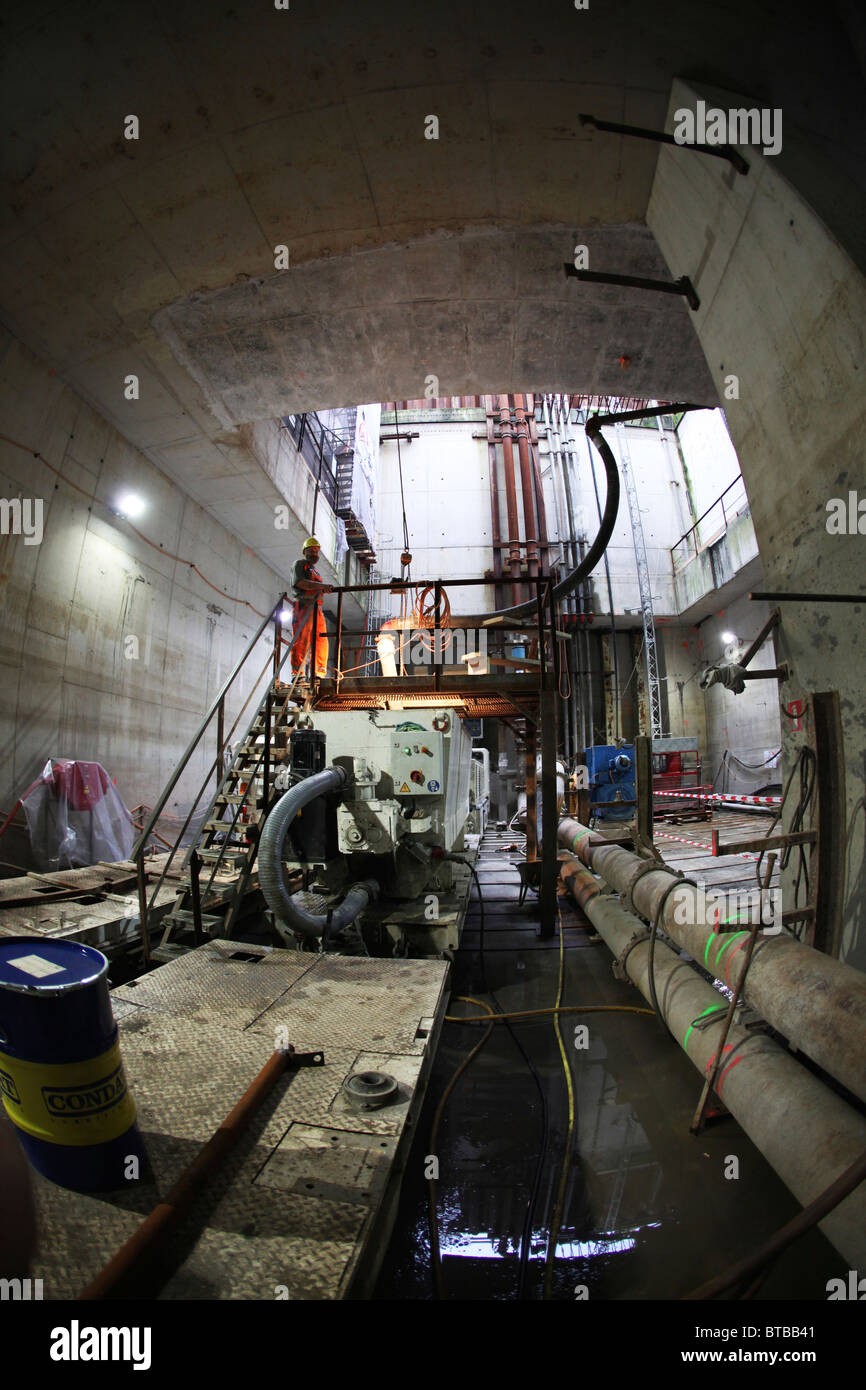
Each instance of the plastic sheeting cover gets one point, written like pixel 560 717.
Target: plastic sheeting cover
pixel 76 816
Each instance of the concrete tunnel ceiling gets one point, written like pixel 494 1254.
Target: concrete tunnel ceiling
pixel 408 257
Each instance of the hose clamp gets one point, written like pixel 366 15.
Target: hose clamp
pixel 619 969
pixel 651 866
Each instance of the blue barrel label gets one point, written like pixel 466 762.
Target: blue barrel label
pixel 77 1103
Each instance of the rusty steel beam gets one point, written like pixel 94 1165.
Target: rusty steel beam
pixel 493 466
pixel 817 1002
pixel 521 433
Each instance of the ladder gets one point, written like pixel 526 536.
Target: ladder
pixel 643 582
pixel 221 842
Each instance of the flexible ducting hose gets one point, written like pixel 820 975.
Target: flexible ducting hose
pixel 271 843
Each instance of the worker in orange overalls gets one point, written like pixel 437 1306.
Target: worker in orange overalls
pixel 308 587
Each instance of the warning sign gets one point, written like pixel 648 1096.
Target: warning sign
pixel 405 787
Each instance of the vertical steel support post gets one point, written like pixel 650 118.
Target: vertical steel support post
pixel 195 891
pixel 531 749
pixel 549 818
pixel 142 905
pixel 220 741
pixel 338 654
pixel 266 769
pixel 644 788
pixel 437 637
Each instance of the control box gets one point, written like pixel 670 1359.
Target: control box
pixel 416 763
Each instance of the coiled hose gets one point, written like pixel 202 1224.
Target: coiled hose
pixel 271 881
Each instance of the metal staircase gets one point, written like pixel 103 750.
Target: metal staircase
pixel 227 839
pixel 217 868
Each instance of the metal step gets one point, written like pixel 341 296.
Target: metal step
pixel 238 855
pixel 181 916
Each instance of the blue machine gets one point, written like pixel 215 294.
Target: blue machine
pixel 611 781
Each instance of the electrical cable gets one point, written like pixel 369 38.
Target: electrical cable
pixel 433 1218
pixel 556 1223
pixel 806 763
pixel 817 1209
pixel 563 1009
pixel 526 1234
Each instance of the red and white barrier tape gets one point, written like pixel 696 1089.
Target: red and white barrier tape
pixel 722 796
pixel 699 844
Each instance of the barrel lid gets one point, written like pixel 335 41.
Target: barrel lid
pixel 31 965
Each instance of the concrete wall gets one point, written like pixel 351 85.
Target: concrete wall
pixel 69 603
pixel 749 725
pixel 447 489
pixel 783 308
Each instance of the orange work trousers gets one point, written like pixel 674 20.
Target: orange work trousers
pixel 302 619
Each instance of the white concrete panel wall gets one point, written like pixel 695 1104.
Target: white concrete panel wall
pixel 447 490
pixel 69 604
pixel 710 457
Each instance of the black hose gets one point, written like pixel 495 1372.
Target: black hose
pixel 271 881
pixel 611 507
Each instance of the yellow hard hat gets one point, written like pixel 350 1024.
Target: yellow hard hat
pixel 310 543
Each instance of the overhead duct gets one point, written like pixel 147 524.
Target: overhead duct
pixel 807 1133
pixel 817 1002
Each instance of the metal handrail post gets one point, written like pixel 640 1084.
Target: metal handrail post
pixel 338 654
pixel 195 893
pixel 220 741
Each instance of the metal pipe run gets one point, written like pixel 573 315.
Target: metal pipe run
pixel 805 1131
pixel 522 436
pixel 510 495
pixel 818 1003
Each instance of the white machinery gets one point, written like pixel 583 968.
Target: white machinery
pixel 377 799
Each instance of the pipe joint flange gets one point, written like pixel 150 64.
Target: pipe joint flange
pixel 649 867
pixel 619 964
pixel 370 1090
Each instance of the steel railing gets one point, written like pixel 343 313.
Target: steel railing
pixel 699 536
pixel 216 709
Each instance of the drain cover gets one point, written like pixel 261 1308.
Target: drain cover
pixel 370 1089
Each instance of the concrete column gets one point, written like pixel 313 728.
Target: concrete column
pixel 774 257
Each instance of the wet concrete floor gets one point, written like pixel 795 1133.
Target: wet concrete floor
pixel 648 1212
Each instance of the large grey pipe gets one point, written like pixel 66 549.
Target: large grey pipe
pixel 817 1002
pixel 808 1134
pixel 271 844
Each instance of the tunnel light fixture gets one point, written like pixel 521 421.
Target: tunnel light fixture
pixel 729 637
pixel 129 505
pixel 285 615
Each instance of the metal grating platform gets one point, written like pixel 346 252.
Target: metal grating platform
pixel 301 1207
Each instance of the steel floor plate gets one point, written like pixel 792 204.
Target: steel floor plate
pixel 293 1211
